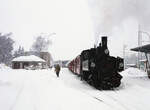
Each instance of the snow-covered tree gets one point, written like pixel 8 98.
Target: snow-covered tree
pixel 19 52
pixel 41 44
pixel 6 47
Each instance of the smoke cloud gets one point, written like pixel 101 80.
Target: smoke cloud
pixel 120 21
pixel 108 14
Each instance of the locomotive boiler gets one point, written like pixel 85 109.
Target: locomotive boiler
pixel 97 67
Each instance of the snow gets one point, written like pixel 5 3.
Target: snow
pixel 134 72
pixel 42 90
pixel 3 66
pixel 29 58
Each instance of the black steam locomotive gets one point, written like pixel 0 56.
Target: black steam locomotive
pixel 97 67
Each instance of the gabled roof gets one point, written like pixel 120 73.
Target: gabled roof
pixel 144 48
pixel 31 58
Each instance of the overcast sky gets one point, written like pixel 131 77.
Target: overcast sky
pixel 120 20
pixel 78 24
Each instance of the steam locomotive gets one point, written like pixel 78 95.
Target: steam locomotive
pixel 97 67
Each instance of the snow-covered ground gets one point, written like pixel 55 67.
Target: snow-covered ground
pixel 42 90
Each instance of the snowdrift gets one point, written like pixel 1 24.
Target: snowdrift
pixel 134 72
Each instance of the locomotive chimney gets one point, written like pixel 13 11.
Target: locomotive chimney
pixel 104 41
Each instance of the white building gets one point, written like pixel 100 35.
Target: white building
pixel 28 61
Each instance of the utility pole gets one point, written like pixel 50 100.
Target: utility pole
pixel 124 55
pixel 139 44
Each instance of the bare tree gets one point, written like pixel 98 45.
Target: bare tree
pixel 19 52
pixel 6 47
pixel 41 44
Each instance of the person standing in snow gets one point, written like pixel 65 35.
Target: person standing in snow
pixel 57 70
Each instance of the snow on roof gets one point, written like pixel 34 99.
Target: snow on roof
pixel 29 58
pixel 144 48
pixel 143 60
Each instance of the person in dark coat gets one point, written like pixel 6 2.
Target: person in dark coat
pixel 57 70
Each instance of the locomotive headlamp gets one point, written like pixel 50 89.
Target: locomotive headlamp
pixel 120 65
pixel 106 51
pixel 92 64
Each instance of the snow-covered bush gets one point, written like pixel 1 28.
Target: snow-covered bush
pixel 3 66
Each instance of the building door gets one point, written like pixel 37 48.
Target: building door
pixel 25 64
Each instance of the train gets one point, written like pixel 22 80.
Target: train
pixel 97 67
